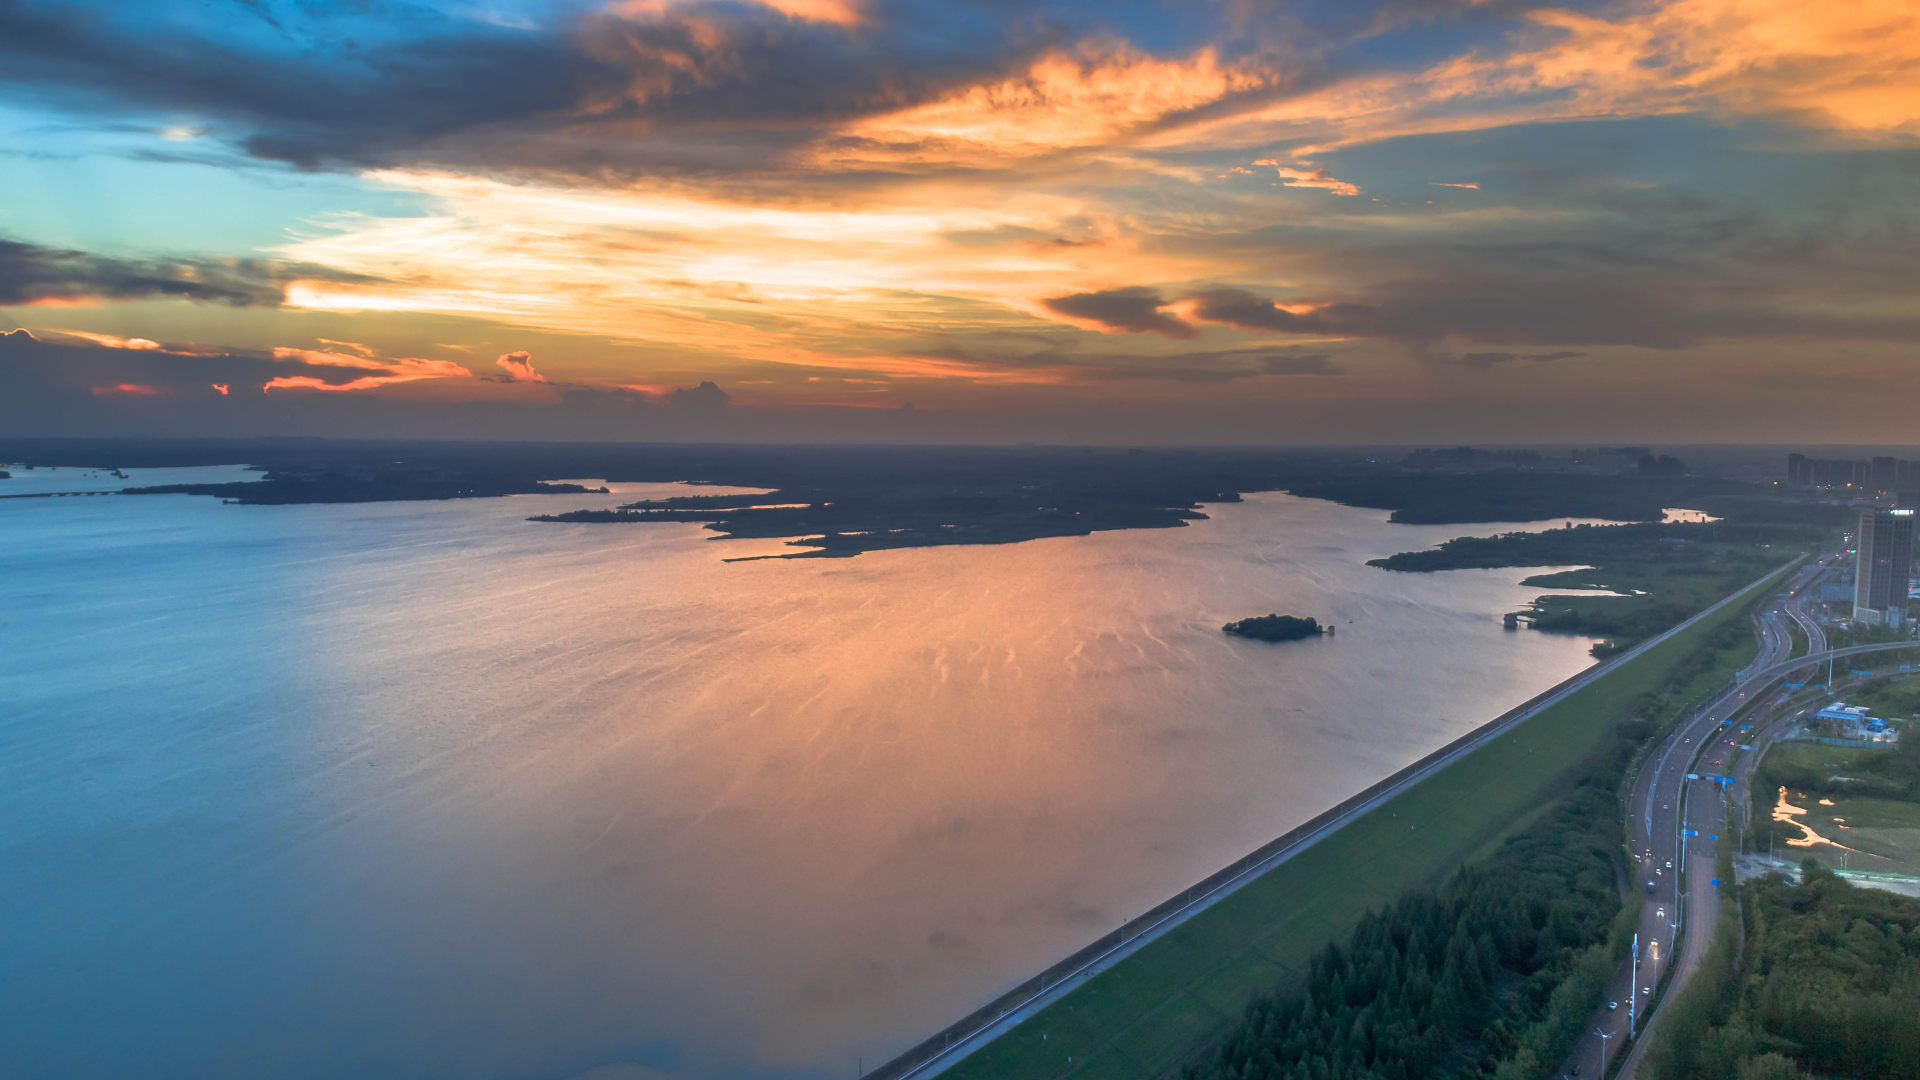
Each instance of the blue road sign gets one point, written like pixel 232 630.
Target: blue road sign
pixel 1689 832
pixel 1716 883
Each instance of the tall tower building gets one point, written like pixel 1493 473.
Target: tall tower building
pixel 1885 560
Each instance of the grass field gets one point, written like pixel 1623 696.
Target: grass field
pixel 1883 833
pixel 1153 1012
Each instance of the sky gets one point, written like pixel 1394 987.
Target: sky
pixel 1191 221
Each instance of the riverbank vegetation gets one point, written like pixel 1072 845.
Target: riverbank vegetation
pixel 1658 573
pixel 1824 985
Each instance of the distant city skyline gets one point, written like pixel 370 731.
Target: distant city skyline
pixel 1240 222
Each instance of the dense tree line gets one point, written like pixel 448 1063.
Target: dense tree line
pixel 1426 498
pixel 1491 972
pixel 1826 985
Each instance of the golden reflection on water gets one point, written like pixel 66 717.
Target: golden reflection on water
pixel 1788 814
pixel 551 792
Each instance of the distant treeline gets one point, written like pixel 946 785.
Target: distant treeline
pixel 1825 984
pixel 837 500
pixel 1450 499
pixel 1490 973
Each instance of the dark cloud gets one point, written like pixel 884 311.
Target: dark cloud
pixel 49 388
pixel 708 87
pixel 32 274
pixel 1484 360
pixel 308 108
pixel 704 396
pixel 1238 307
pixel 1219 367
pixel 1135 310
pixel 1213 366
pixel 1471 304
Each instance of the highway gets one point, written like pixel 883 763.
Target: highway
pixel 1675 816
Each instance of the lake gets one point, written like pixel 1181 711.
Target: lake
pixel 426 790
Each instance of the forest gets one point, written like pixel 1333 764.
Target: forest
pixel 1490 972
pixel 1825 984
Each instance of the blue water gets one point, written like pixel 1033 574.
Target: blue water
pixel 425 790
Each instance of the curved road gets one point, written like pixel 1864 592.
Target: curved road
pixel 1673 797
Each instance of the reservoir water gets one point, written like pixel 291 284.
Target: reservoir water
pixel 425 790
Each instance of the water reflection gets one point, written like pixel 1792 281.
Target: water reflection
pixel 1788 814
pixel 421 789
pixel 1674 515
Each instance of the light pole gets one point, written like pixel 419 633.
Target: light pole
pixel 1603 1051
pixel 1633 989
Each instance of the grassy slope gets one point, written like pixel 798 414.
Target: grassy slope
pixel 1150 1014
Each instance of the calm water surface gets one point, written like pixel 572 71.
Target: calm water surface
pixel 424 790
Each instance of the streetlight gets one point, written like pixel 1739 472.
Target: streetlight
pixel 1603 1051
pixel 1633 988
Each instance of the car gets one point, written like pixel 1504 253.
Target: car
pixel 1612 1005
pixel 1649 888
pixel 1669 864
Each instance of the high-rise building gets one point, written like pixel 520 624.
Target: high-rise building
pixel 1885 561
pixel 1799 470
pixel 1883 473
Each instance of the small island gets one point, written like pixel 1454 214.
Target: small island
pixel 1276 628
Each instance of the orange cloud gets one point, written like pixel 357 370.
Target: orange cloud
pixel 1091 95
pixel 519 368
pixel 1851 67
pixel 111 342
pixel 1306 176
pixel 222 388
pixel 841 12
pixel 62 301
pixel 350 346
pixel 404 369
pixel 1443 183
pixel 728 282
pixel 126 390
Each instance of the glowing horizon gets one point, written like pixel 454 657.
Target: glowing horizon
pixel 1101 223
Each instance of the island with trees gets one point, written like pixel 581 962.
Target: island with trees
pixel 1276 628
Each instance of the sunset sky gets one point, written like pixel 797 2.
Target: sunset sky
pixel 962 220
